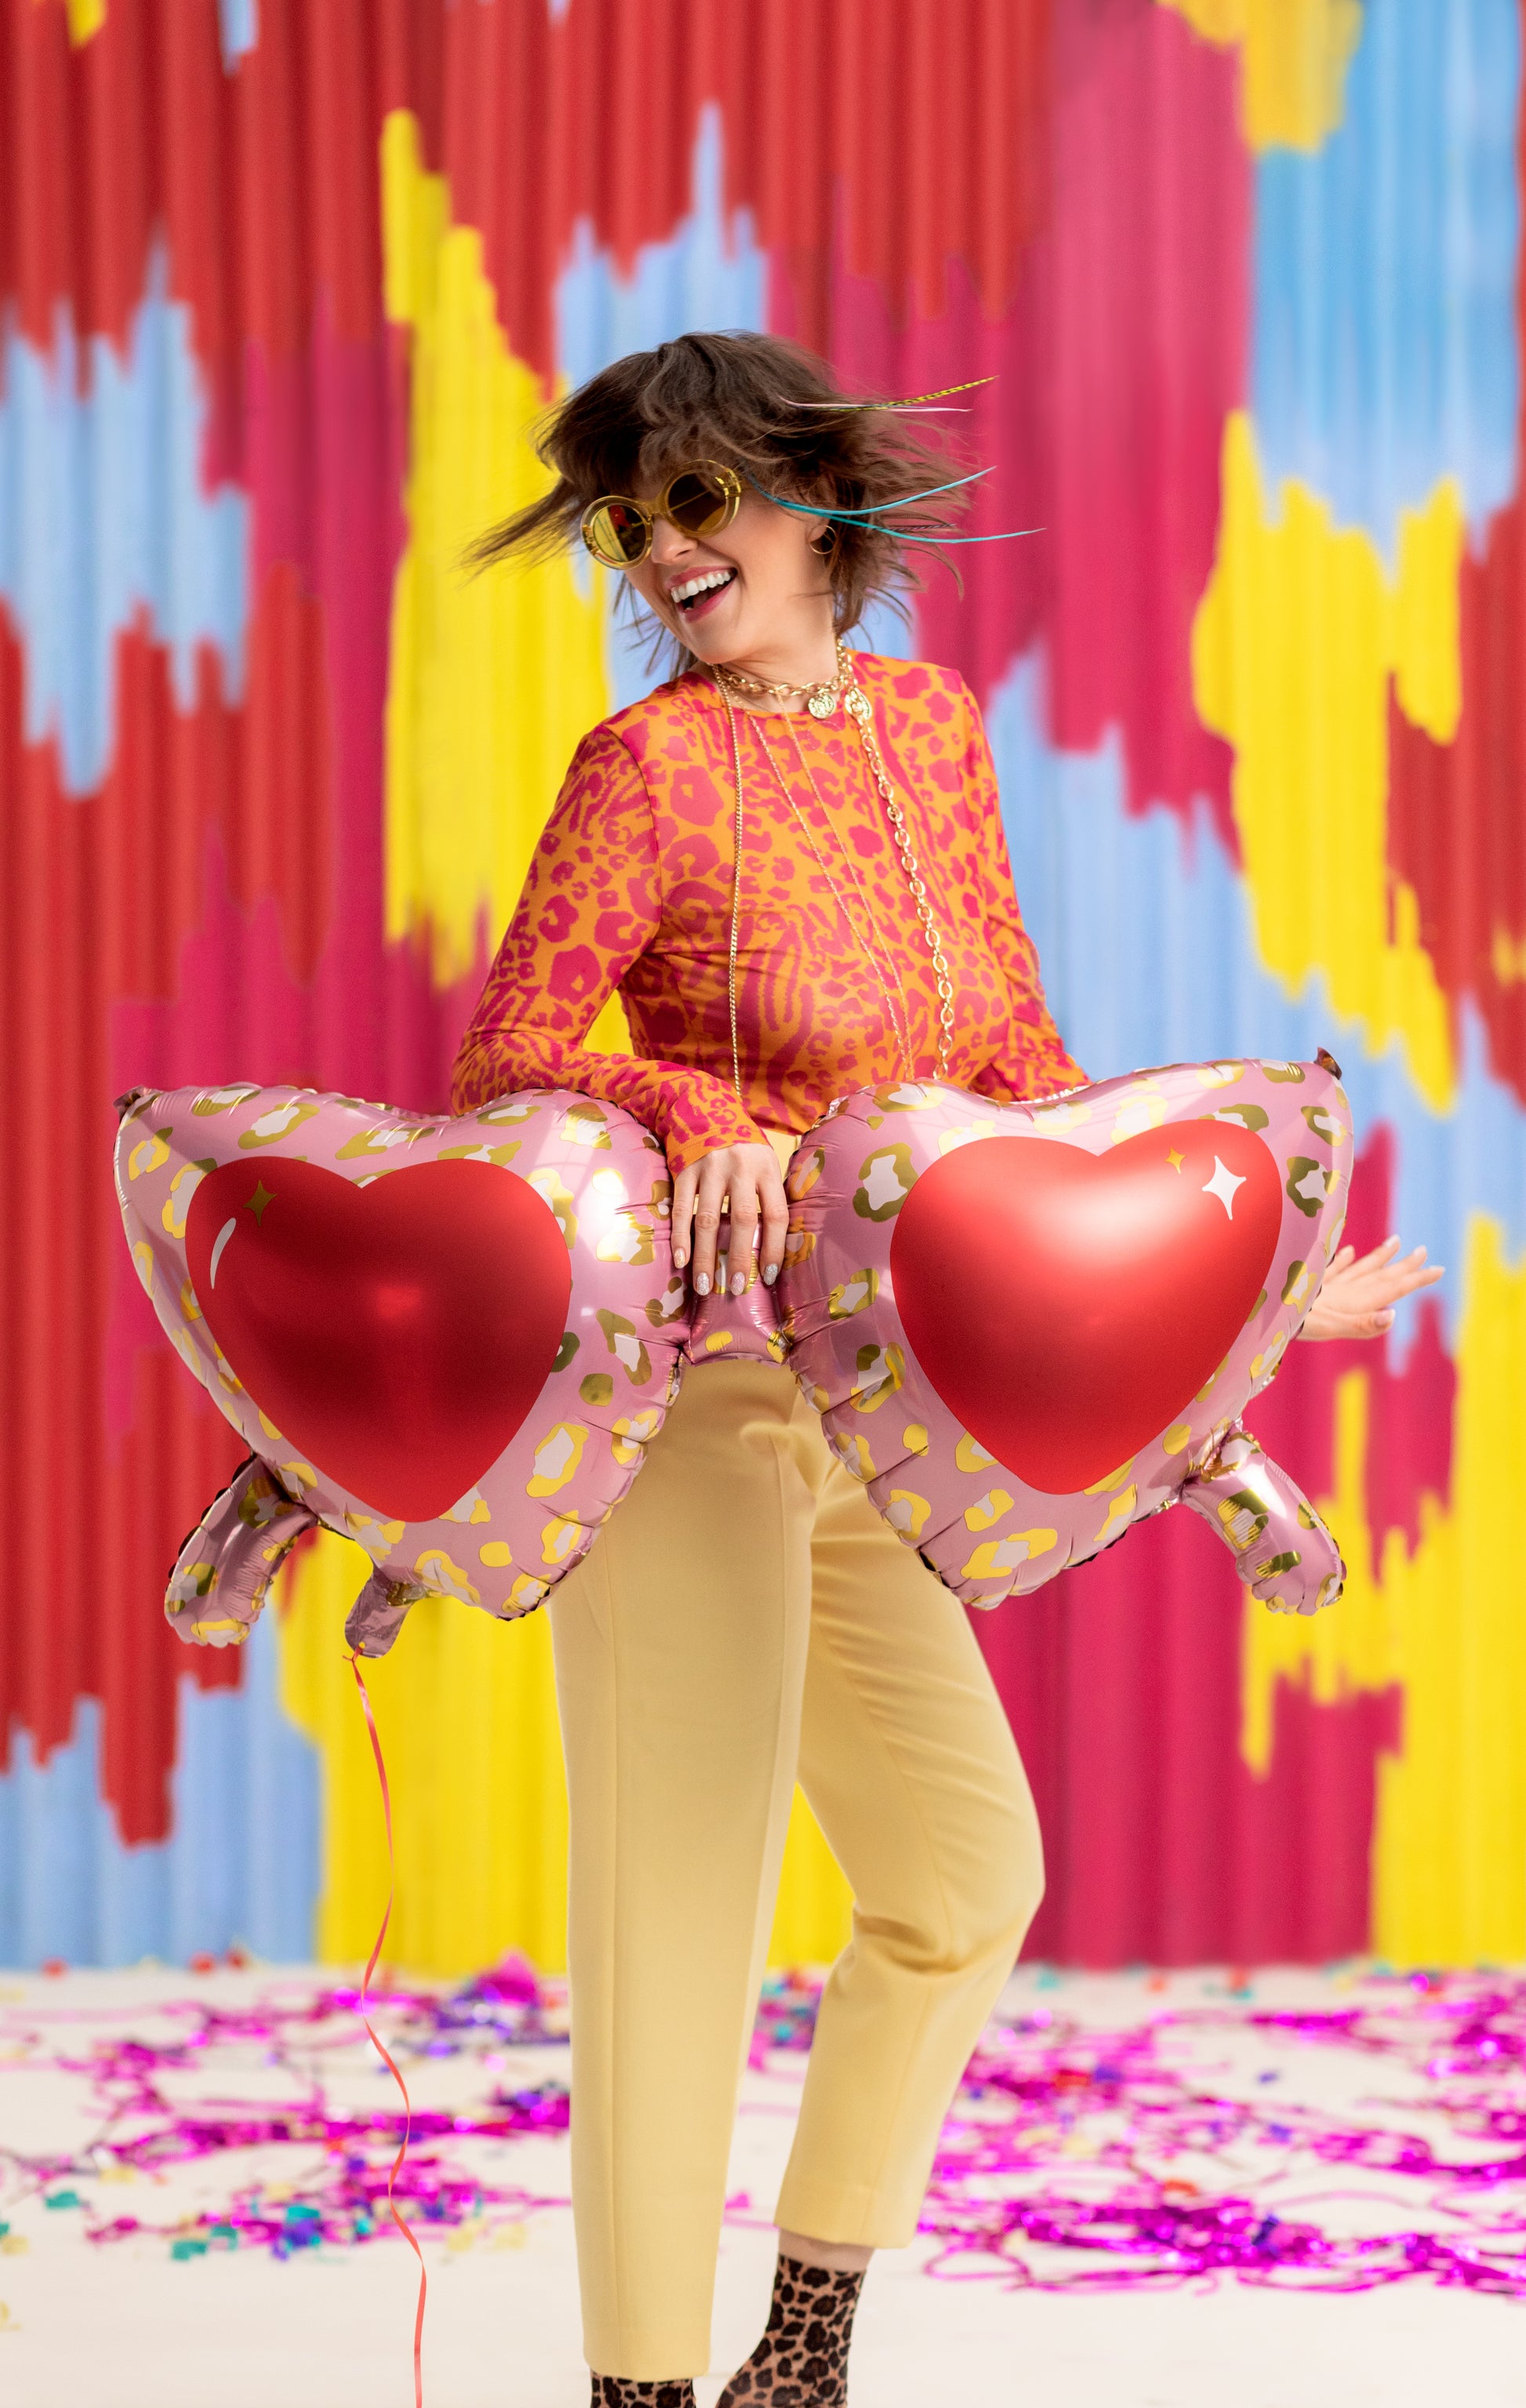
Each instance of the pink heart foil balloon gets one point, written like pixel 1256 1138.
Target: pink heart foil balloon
pixel 450 1339
pixel 1028 1325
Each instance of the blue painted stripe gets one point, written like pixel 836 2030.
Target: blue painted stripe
pixel 239 24
pixel 104 521
pixel 1385 347
pixel 241 1863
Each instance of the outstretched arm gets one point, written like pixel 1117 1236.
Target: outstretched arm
pixel 1356 1299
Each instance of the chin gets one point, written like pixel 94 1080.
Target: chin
pixel 710 642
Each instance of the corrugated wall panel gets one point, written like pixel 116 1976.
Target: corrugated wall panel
pixel 281 287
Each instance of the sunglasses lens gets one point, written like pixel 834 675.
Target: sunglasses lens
pixel 698 502
pixel 617 533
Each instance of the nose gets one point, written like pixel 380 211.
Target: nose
pixel 669 543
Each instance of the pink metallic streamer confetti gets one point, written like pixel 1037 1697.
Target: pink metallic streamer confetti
pixel 344 2201
pixel 1076 2159
pixel 1048 2084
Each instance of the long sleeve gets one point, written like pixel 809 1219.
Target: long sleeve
pixel 1034 1060
pixel 590 907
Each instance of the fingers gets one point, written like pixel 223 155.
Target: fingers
pixel 684 1187
pixel 1402 1281
pixel 1342 1261
pixel 1379 1255
pixel 722 1207
pixel 1387 1280
pixel 709 1195
pixel 738 1252
pixel 773 1204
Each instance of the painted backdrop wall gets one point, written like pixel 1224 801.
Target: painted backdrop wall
pixel 283 283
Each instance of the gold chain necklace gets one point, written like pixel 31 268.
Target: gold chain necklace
pixel 862 710
pixel 820 700
pixel 879 960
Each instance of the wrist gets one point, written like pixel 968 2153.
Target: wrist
pixel 688 1148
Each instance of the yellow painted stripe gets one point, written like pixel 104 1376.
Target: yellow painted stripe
pixel 493 678
pixel 85 19
pixel 1294 55
pixel 1447 1624
pixel 467 1713
pixel 1294 645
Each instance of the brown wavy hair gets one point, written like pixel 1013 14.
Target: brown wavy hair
pixel 762 406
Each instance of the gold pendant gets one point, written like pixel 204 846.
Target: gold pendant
pixel 822 704
pixel 858 704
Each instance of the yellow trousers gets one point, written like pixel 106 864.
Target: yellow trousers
pixel 746 1617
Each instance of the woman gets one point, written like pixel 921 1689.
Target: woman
pixel 796 891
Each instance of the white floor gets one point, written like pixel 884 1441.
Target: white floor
pixel 123 2325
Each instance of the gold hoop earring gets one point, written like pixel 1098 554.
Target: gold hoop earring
pixel 825 544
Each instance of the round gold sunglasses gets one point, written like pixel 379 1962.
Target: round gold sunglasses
pixel 698 501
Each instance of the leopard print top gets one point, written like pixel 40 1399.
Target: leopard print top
pixel 630 890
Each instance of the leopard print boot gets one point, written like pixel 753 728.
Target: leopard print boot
pixel 802 2359
pixel 619 2391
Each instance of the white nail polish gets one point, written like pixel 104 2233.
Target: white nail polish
pixel 739 1286
pixel 680 1258
pixel 701 1283
pixel 770 1274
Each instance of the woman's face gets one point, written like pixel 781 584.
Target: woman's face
pixel 755 591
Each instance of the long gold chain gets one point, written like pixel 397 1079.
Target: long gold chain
pixel 856 703
pixel 862 710
pixel 873 947
pixel 736 898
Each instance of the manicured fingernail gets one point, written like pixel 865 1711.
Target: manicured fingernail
pixel 1385 1321
pixel 701 1283
pixel 680 1255
pixel 739 1284
pixel 770 1274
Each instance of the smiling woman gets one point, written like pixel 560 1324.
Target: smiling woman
pixel 788 860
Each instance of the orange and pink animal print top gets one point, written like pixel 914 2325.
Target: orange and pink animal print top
pixel 630 888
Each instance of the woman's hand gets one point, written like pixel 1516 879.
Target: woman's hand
pixel 1356 1299
pixel 750 1175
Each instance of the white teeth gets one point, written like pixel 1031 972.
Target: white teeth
pixel 707 579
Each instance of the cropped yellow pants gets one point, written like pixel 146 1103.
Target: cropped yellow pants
pixel 747 1618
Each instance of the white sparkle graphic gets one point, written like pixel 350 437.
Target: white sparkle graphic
pixel 1223 1184
pixel 223 1236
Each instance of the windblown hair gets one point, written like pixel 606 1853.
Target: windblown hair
pixel 764 407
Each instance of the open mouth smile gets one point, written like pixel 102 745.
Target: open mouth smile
pixel 692 596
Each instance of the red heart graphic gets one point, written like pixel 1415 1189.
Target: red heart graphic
pixel 396 1333
pixel 1069 1306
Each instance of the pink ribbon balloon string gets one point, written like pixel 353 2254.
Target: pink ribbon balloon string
pixel 380 2045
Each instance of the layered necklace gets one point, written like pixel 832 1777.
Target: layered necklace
pixel 822 701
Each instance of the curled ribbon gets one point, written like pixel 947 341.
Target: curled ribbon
pixel 380 2045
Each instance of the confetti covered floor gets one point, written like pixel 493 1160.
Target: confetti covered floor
pixel 1309 2189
